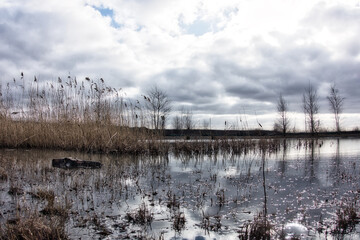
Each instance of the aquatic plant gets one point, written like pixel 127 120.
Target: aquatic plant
pixel 258 228
pixel 44 194
pixel 33 226
pixel 141 215
pixel 28 223
pixel 3 174
pixel 179 220
pixel 347 218
pixel 210 223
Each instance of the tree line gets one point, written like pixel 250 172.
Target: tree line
pixel 93 100
pixel 161 108
pixel 310 106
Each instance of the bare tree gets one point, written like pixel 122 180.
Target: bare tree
pixel 185 120
pixel 311 109
pixel 283 121
pixel 336 104
pixel 177 123
pixel 187 117
pixel 206 124
pixel 159 107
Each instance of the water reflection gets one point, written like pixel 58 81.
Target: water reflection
pixel 187 196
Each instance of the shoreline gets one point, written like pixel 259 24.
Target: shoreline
pixel 211 134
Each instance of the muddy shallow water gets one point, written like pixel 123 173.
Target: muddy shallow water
pixel 300 187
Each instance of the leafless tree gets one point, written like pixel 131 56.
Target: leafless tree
pixel 185 120
pixel 177 123
pixel 206 124
pixel 311 109
pixel 159 106
pixel 336 104
pixel 187 117
pixel 283 121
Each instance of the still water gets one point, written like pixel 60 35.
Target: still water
pixel 301 189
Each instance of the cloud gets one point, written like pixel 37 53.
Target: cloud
pixel 219 57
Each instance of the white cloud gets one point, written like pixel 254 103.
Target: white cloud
pixel 205 53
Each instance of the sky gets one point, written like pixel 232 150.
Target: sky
pixel 224 60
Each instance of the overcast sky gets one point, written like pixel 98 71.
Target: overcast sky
pixel 226 60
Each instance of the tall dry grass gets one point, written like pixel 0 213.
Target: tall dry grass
pixel 89 115
pixel 33 227
pixel 70 114
pixel 89 136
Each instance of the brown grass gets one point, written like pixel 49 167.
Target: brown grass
pixel 3 174
pixel 43 194
pixel 347 218
pixel 140 216
pixel 70 114
pixel 76 136
pixel 33 227
pixel 29 223
pixel 88 115
pixel 259 228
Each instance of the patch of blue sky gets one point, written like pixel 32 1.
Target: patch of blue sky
pixel 107 12
pixel 198 27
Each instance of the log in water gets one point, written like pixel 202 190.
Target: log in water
pixel 71 163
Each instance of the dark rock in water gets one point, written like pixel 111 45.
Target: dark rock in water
pixel 71 163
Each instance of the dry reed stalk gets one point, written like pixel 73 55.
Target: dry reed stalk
pixel 91 116
pixel 73 115
pixel 33 227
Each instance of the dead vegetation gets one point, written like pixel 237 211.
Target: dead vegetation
pixel 33 226
pixel 99 121
pixel 70 114
pixel 140 216
pixel 88 115
pixel 347 217
pixel 3 174
pixel 179 221
pixel 28 223
pixel 258 228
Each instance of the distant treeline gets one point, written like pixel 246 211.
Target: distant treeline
pixel 68 113
pixel 193 133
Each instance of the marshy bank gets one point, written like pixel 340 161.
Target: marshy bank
pixel 276 189
pixel 99 138
pixel 204 184
pixel 89 115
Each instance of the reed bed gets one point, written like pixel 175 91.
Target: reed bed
pixel 89 115
pixel 69 114
pixel 90 137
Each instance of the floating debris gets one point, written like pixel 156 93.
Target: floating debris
pixel 71 163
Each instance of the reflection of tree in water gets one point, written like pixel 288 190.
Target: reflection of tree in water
pixel 264 226
pixel 283 162
pixel 312 162
pixel 259 227
pixel 264 184
pixel 336 167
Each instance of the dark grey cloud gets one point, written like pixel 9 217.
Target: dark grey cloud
pixel 187 85
pixel 24 34
pixel 220 72
pixel 54 43
pixel 288 70
pixel 336 17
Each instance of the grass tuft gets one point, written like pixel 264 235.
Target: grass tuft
pixel 33 227
pixel 141 216
pixel 3 174
pixel 259 228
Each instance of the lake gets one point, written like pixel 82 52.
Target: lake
pixel 304 190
